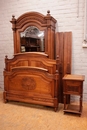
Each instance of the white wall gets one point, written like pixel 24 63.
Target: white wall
pixel 70 17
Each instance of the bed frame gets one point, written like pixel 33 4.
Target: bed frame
pixel 36 76
pixel 28 78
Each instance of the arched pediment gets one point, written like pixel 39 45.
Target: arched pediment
pixel 33 18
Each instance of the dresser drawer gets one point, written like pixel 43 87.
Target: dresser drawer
pixel 73 87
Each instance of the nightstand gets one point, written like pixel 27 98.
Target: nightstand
pixel 73 85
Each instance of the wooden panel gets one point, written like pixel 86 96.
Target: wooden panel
pixel 59 52
pixel 63 50
pixel 30 80
pixel 31 59
pixel 33 85
pixel 67 52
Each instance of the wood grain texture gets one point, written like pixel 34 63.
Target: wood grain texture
pixel 64 50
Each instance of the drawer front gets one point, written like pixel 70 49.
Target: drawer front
pixel 73 87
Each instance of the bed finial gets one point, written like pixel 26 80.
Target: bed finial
pixel 48 12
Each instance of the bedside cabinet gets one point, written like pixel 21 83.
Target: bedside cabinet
pixel 73 85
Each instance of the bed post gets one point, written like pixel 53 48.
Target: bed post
pixel 56 84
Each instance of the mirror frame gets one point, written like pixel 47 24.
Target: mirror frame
pixel 43 23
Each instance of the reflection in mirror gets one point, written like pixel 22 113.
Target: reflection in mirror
pixel 32 40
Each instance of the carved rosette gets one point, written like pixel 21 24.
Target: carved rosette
pixel 28 83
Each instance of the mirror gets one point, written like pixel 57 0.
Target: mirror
pixel 32 40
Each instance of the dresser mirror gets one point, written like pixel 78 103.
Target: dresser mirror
pixel 32 40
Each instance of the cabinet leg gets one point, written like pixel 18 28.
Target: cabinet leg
pixel 64 112
pixel 80 103
pixel 5 100
pixel 64 101
pixel 55 109
pixel 4 97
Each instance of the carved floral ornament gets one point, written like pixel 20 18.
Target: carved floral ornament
pixel 28 83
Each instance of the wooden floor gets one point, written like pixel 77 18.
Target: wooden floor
pixel 22 116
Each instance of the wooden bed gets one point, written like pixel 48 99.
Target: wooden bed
pixel 31 79
pixel 41 59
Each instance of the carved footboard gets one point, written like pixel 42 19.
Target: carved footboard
pixel 32 85
pixel 32 78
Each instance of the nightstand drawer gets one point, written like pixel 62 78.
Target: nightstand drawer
pixel 73 87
